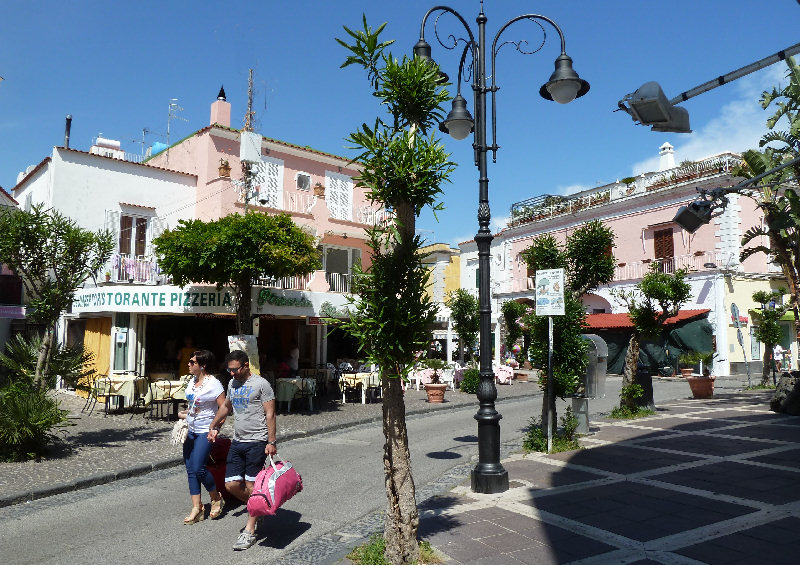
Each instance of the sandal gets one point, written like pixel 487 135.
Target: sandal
pixel 197 515
pixel 216 508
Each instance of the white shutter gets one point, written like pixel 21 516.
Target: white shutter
pixel 269 180
pixel 157 227
pixel 112 225
pixel 339 194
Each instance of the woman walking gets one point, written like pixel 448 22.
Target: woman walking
pixel 204 395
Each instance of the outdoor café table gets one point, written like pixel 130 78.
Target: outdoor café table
pixel 126 387
pixel 421 376
pixel 503 374
pixel 167 389
pixel 287 389
pixel 354 379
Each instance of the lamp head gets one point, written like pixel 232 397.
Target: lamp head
pixel 564 85
pixel 650 107
pixel 459 122
pixel 422 49
pixel 696 214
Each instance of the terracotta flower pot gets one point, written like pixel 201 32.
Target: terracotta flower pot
pixel 686 371
pixel 521 377
pixel 435 392
pixel 702 387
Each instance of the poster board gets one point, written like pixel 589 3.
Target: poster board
pixel 248 344
pixel 550 292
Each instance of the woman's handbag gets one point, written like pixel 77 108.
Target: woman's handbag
pixel 276 483
pixel 179 431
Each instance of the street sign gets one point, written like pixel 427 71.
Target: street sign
pixel 735 317
pixel 550 292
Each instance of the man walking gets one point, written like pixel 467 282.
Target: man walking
pixel 252 401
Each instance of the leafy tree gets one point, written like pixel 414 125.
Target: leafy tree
pixel 657 297
pixel 465 313
pixel 588 262
pixel 234 250
pixel 54 256
pixel 780 205
pixel 403 168
pixel 513 312
pixel 768 329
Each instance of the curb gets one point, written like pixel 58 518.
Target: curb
pixel 144 468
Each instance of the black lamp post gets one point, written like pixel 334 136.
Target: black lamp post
pixel 564 85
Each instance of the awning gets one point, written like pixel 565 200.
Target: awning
pixel 13 312
pixel 623 321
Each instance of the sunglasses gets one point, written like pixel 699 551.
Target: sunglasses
pixel 234 369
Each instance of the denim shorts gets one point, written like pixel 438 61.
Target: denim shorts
pixel 245 460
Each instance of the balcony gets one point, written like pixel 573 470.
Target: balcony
pixel 338 282
pixel 700 262
pixel 141 269
pixel 545 207
pixel 284 283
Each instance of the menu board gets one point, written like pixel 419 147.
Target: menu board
pixel 550 292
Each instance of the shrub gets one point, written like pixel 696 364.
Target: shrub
pixel 371 553
pixel 629 409
pixel 535 438
pixel 471 381
pixel 27 418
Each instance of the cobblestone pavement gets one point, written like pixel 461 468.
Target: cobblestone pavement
pixel 703 481
pixel 98 449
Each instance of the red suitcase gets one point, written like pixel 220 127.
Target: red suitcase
pixel 217 459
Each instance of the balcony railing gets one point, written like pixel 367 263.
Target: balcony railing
pixel 372 216
pixel 544 207
pixel 338 282
pixel 284 283
pixel 140 269
pixel 698 262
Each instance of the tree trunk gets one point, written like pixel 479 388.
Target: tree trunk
pixel 402 518
pixel 244 321
pixel 766 369
pixel 43 358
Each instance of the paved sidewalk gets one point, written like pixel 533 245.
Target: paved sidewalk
pixel 703 481
pixel 98 449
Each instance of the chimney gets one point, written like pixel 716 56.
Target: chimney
pixel 67 128
pixel 221 110
pixel 667 157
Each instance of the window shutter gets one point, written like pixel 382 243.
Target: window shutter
pixel 269 179
pixel 112 225
pixel 663 246
pixel 339 195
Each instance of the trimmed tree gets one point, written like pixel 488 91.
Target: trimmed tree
pixel 234 250
pixel 768 329
pixel 53 256
pixel 657 297
pixel 588 262
pixel 513 312
pixel 465 313
pixel 403 168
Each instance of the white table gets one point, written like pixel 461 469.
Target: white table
pixel 287 390
pixel 366 380
pixel 127 387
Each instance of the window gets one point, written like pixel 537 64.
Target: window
pixel 664 249
pixel 303 181
pixel 132 235
pixel 339 195
pixel 269 180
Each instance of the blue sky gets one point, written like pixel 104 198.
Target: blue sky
pixel 115 66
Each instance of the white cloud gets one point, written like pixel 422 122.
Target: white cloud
pixel 499 223
pixel 461 239
pixel 738 126
pixel 571 189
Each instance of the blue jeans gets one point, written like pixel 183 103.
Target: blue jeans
pixel 195 454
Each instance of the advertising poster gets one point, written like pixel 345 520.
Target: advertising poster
pixel 550 292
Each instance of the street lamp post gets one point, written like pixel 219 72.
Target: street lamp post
pixel 564 85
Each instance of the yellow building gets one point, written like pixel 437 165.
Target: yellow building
pixel 445 265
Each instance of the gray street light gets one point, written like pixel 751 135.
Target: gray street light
pixel 564 85
pixel 649 105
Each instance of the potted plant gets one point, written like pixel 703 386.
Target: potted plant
pixel 435 389
pixel 108 276
pixel 687 361
pixel 703 385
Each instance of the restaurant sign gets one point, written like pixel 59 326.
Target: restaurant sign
pixel 154 299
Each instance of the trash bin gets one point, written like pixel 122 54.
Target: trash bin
pixel 594 381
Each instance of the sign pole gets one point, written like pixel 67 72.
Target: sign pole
pixel 550 387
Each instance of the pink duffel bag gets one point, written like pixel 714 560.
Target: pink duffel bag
pixel 276 483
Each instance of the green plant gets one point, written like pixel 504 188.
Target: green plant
pixel 437 365
pixel 628 413
pixel 565 439
pixel 371 553
pixel 464 311
pixel 27 417
pixel 70 362
pixel 471 381
pixel 688 359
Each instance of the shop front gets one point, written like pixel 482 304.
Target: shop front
pixel 146 329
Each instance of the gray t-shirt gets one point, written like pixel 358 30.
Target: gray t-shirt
pixel 247 398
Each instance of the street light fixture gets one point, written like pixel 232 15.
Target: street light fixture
pixel 564 85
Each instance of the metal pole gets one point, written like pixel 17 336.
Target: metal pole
pixel 489 476
pixel 550 388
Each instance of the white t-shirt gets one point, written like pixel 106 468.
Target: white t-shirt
pixel 202 403
pixel 777 353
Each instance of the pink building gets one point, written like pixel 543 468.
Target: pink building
pixel 640 211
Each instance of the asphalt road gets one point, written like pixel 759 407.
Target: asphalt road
pixel 139 520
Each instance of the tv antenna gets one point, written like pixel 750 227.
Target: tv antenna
pixel 172 114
